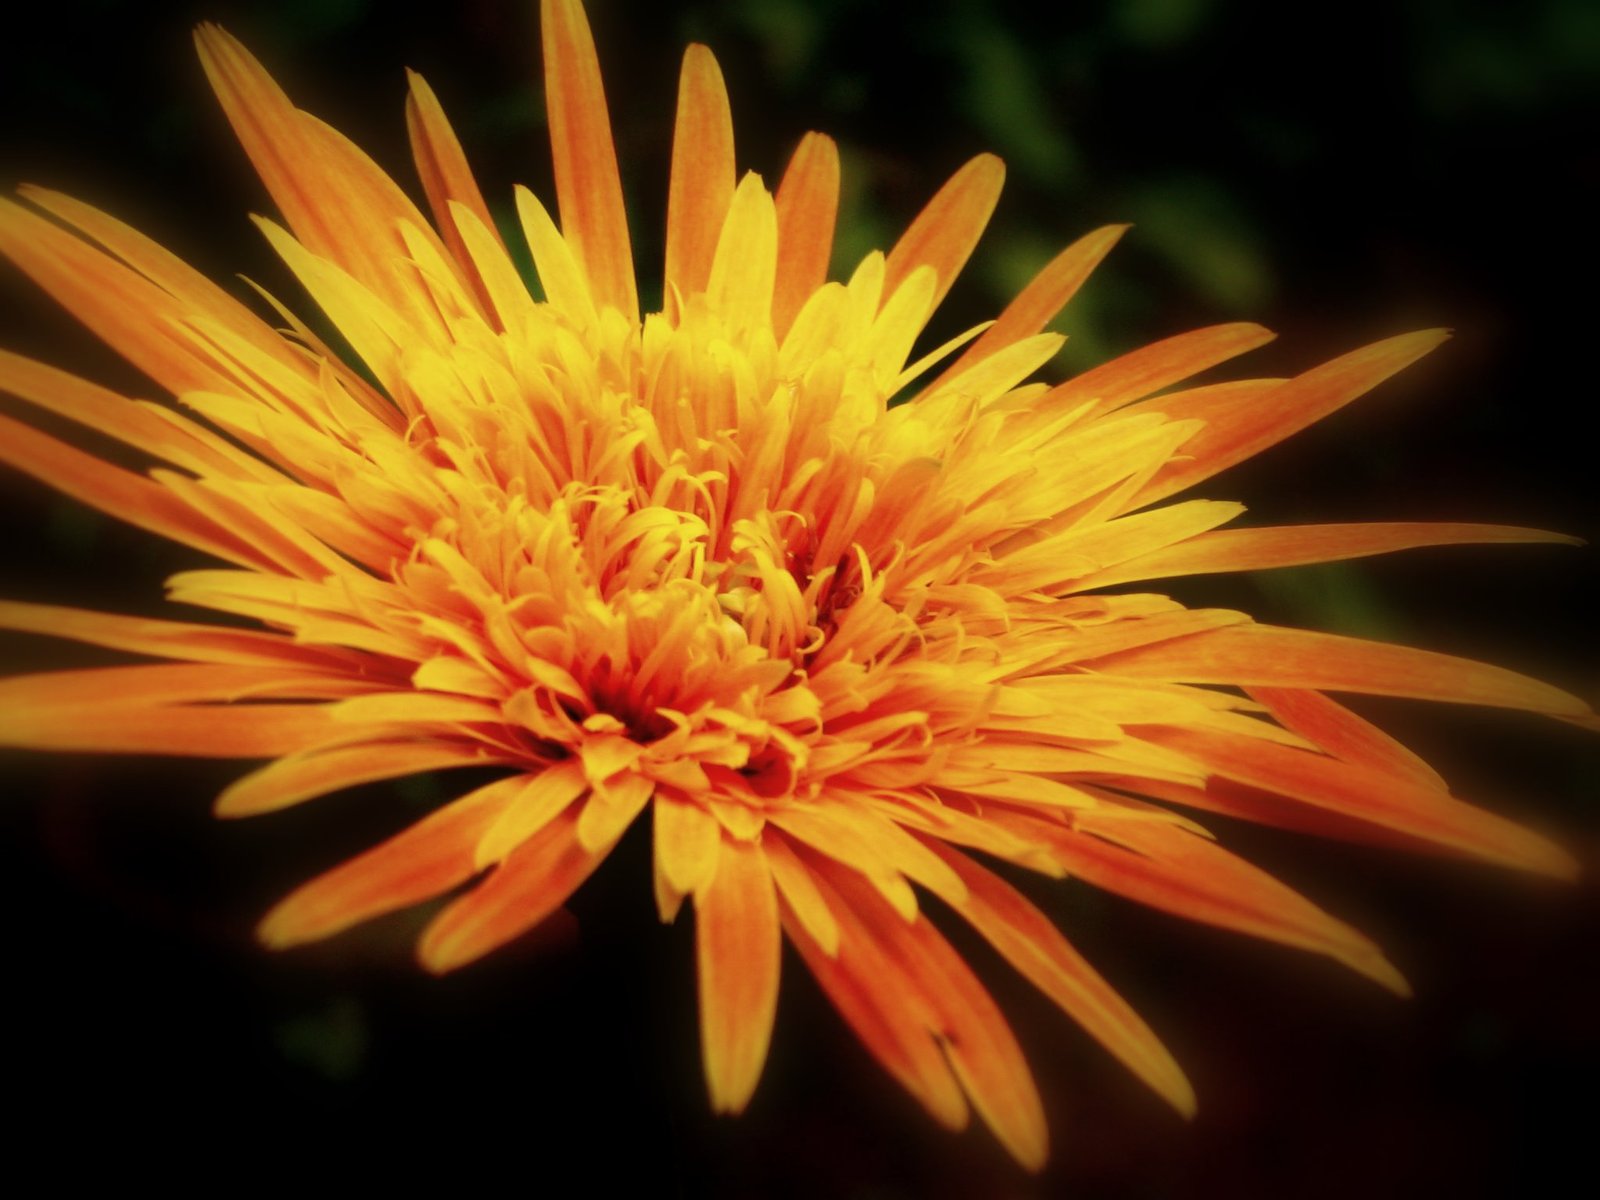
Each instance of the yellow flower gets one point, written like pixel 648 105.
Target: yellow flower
pixel 695 566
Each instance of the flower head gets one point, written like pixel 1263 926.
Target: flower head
pixel 699 568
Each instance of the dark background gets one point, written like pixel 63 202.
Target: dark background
pixel 1338 172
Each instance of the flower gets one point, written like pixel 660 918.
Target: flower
pixel 699 566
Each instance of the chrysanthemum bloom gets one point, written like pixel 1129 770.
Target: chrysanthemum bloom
pixel 695 568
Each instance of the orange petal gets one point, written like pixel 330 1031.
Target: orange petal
pixel 193 292
pixel 335 198
pixel 946 230
pixel 1270 656
pixel 1244 803
pixel 287 547
pixel 191 731
pixel 533 882
pixel 880 1002
pixel 612 807
pixel 686 842
pixel 164 639
pixel 977 1042
pixel 417 864
pixel 588 187
pixel 446 177
pixel 544 797
pixel 1165 866
pixel 1160 364
pixel 736 949
pixel 799 889
pixel 170 683
pixel 1038 303
pixel 159 432
pixel 1238 427
pixel 1036 948
pixel 1370 795
pixel 808 206
pixel 702 176
pixel 1294 545
pixel 1343 734
pixel 318 772
pixel 129 313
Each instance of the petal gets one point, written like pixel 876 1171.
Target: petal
pixel 1037 304
pixel 544 798
pixel 882 1004
pixel 977 1042
pixel 163 639
pixel 129 313
pixel 702 175
pixel 446 177
pixel 944 233
pixel 803 898
pixel 192 291
pixel 612 807
pixel 335 198
pixel 1293 545
pixel 315 773
pixel 220 731
pixel 1160 364
pixel 533 881
pixel 739 286
pixel 430 857
pixel 1343 734
pixel 736 949
pixel 1270 656
pixel 1165 866
pixel 149 684
pixel 1239 427
pixel 808 206
pixel 1369 795
pixel 686 842
pixel 1034 946
pixel 588 187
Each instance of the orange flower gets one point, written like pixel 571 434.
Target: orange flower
pixel 696 565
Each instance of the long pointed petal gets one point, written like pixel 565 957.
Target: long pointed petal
pixel 702 175
pixel 1167 867
pixel 1271 656
pixel 189 731
pixel 737 941
pixel 1238 428
pixel 1343 734
pixel 159 432
pixel 163 639
pixel 1036 948
pixel 446 177
pixel 880 1002
pixel 532 883
pixel 808 206
pixel 1160 364
pixel 334 197
pixel 129 313
pixel 944 233
pixel 1294 545
pixel 1038 303
pixel 428 858
pixel 977 1042
pixel 1370 795
pixel 316 773
pixel 588 186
